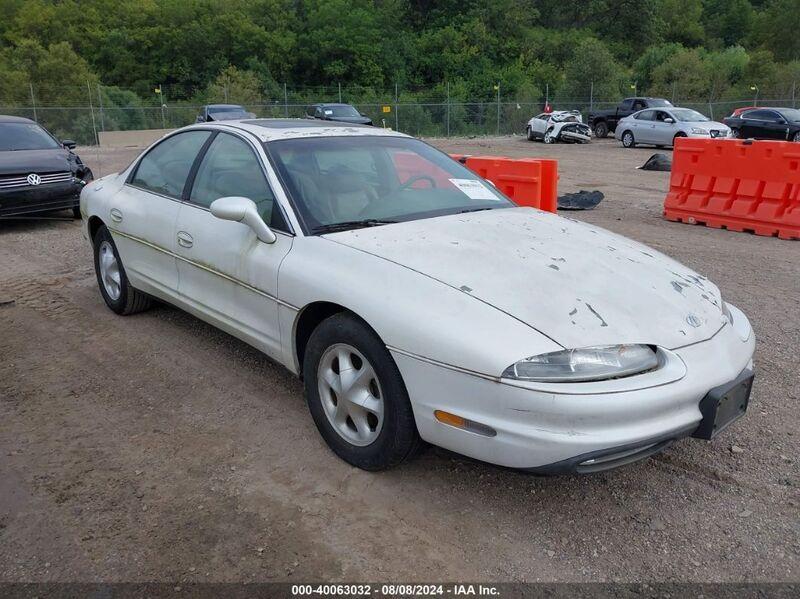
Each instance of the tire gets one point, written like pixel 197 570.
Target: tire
pixel 548 137
pixel 677 135
pixel 529 134
pixel 121 297
pixel 377 442
pixel 628 140
pixel 796 137
pixel 76 212
pixel 601 129
pixel 735 134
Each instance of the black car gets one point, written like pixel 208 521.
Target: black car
pixel 37 171
pixel 766 123
pixel 223 112
pixel 337 112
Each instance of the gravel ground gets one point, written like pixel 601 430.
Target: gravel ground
pixel 155 448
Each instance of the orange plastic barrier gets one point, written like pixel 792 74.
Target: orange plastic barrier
pixel 527 181
pixel 740 185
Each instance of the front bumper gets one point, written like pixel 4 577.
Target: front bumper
pixel 575 137
pixel 40 198
pixel 548 431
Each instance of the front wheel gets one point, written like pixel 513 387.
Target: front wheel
pixel 549 138
pixel 628 140
pixel 796 137
pixel 115 288
pixel 356 395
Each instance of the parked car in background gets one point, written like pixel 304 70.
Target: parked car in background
pixel 604 122
pixel 344 113
pixel 223 112
pixel 37 171
pixel 660 127
pixel 560 125
pixel 738 111
pixel 366 262
pixel 767 123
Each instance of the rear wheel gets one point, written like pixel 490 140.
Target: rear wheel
pixel 115 288
pixel 529 133
pixel 356 395
pixel 601 129
pixel 628 140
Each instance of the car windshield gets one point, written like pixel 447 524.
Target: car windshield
pixel 790 114
pixel 659 103
pixel 688 115
pixel 340 111
pixel 220 109
pixel 25 136
pixel 354 181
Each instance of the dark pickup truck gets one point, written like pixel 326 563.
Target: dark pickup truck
pixel 604 122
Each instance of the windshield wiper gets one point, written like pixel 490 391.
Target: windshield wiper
pixel 351 224
pixel 474 210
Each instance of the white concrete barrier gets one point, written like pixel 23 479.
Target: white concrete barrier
pixel 131 139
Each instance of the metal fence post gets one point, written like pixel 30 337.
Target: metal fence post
pixel 340 92
pixel 161 101
pixel 591 97
pixel 100 100
pixel 91 109
pixel 285 102
pixel 448 109
pixel 33 102
pixel 396 116
pixel 794 89
pixel 498 108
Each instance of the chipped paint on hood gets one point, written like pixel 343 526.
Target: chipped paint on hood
pixel 578 284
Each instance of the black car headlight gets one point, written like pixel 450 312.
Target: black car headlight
pixel 585 364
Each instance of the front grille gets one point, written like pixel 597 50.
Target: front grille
pixel 14 181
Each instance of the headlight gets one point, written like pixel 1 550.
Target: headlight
pixel 696 131
pixel 585 364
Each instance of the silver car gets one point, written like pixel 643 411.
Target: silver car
pixel 660 127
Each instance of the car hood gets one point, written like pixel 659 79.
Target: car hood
pixel 34 161
pixel 575 283
pixel 706 125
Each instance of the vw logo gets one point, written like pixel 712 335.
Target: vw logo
pixel 693 320
pixel 34 179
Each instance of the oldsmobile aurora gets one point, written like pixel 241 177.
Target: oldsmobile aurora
pixel 416 302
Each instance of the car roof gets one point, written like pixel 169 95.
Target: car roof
pixel 332 104
pixel 14 119
pixel 224 106
pixel 274 129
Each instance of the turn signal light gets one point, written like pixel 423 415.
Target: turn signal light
pixel 464 423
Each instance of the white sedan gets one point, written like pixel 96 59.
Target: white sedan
pixel 416 302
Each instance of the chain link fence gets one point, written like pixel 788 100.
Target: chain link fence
pixel 81 114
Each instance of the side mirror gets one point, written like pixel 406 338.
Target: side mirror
pixel 243 210
pixel 669 120
pixel 69 144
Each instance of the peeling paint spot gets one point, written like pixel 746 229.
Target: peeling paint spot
pixel 646 254
pixel 554 267
pixel 465 289
pixel 593 311
pixel 558 259
pixel 574 312
pixel 678 286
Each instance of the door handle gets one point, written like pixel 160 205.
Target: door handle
pixel 184 239
pixel 116 215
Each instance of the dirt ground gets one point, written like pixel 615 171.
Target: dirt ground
pixel 155 448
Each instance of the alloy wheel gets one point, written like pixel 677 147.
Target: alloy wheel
pixel 109 271
pixel 350 394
